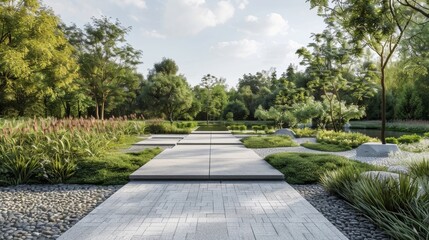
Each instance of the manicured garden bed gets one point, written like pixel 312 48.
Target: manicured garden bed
pixel 307 168
pixel 268 141
pixel 326 147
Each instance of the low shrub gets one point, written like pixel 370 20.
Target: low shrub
pixel 392 140
pixel 406 139
pixel 305 132
pixel 426 135
pixel 307 168
pixel 352 140
pixel 268 141
pixel 166 128
pixel 240 127
pixel 186 124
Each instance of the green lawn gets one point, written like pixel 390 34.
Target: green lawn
pixel 268 141
pixel 306 168
pixel 326 147
pixel 112 168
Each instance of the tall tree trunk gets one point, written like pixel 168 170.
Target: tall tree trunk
pixel 79 114
pixel 97 114
pixel 383 105
pixel 67 109
pixel 102 110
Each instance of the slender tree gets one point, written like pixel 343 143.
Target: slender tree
pixel 379 24
pixel 108 63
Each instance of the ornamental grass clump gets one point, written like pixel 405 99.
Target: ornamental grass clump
pixel 398 205
pixel 48 149
pixel 352 140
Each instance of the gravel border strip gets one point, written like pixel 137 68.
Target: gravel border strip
pixel 46 211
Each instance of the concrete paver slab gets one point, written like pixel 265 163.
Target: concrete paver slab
pixel 179 152
pixel 174 169
pixel 207 210
pixel 252 168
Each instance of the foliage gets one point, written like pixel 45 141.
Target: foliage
pixel 341 181
pixel 279 116
pixel 326 147
pixel 305 132
pixel 394 205
pixel 419 169
pixel 35 57
pixel 50 149
pixel 306 168
pixel 268 141
pixel 238 109
pixel 212 128
pixel 212 94
pixel 380 25
pixel 344 139
pixel 392 140
pixel 168 94
pixel 409 138
pixel 160 127
pixel 186 124
pixel 397 205
pixel 113 168
pixel 306 111
pixel 229 116
pixel 240 127
pixel 108 63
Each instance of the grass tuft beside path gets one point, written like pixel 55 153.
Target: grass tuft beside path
pixel 306 168
pixel 268 141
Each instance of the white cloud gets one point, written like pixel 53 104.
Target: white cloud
pixel 135 3
pixel 251 18
pixel 189 17
pixel 270 53
pixel 240 49
pixel 242 3
pixel 271 25
pixel 153 34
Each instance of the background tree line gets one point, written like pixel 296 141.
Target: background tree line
pixel 50 69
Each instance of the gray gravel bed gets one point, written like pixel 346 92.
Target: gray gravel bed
pixel 46 211
pixel 348 220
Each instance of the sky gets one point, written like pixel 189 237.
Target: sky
pixel 226 38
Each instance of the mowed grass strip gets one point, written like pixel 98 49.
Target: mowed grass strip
pixel 326 147
pixel 306 168
pixel 268 141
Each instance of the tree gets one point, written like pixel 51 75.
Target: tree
pixel 238 110
pixel 212 95
pixel 108 63
pixel 379 25
pixel 418 6
pixel 167 93
pixel 35 57
pixel 278 115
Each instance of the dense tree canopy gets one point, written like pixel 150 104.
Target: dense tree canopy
pixel 371 55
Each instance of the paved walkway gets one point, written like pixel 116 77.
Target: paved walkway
pixel 205 210
pixel 206 156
